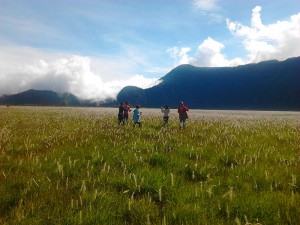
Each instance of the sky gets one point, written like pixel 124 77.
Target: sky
pixel 93 48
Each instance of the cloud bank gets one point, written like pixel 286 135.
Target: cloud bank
pixel 279 40
pixel 62 74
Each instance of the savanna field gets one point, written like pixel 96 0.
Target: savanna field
pixel 77 166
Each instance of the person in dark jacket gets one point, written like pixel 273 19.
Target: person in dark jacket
pixel 182 111
pixel 121 114
pixel 166 111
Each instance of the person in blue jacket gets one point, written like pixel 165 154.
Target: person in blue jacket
pixel 137 116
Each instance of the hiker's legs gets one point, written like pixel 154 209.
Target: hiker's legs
pixel 182 121
pixel 166 120
pixel 139 123
pixel 120 119
pixel 126 118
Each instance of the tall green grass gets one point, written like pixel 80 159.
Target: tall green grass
pixel 62 166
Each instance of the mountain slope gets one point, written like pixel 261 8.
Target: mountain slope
pixel 269 85
pixel 37 97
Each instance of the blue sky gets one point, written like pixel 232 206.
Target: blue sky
pixel 93 48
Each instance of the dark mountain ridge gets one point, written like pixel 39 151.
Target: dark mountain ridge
pixel 50 98
pixel 40 97
pixel 268 85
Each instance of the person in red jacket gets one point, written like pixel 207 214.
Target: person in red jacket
pixel 126 111
pixel 182 111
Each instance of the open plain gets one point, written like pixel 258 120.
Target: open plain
pixel 61 165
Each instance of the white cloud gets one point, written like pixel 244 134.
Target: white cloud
pixel 206 5
pixel 180 55
pixel 255 19
pixel 62 73
pixel 209 9
pixel 208 54
pixel 279 41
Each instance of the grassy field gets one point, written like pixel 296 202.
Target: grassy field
pixel 76 166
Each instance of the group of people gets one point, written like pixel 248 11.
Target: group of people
pixel 125 108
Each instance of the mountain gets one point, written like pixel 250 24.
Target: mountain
pixel 268 85
pixel 51 98
pixel 37 97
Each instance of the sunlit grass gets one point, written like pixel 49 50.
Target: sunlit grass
pixel 63 166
